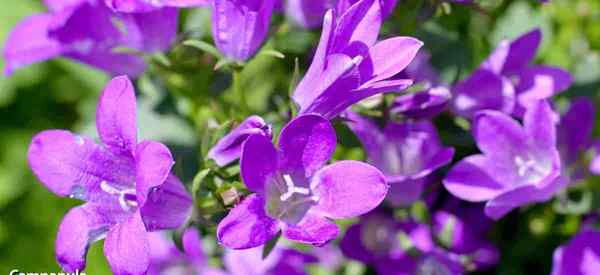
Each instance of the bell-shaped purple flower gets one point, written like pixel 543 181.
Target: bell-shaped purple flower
pixel 518 164
pixel 239 27
pixel 127 186
pixel 350 64
pixel 579 118
pixel 405 152
pixel 281 260
pixel 229 148
pixel 309 13
pixel 506 82
pixel 580 256
pixel 294 191
pixel 86 31
pixel 152 5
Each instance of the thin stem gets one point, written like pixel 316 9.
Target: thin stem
pixel 237 90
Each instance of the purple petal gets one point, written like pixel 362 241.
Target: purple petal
pixel 359 24
pixel 306 144
pixel 168 206
pixel 369 135
pixel 312 229
pixel 522 51
pixel 229 148
pixel 247 225
pixel 192 246
pixel 71 165
pixel 59 5
pixel 348 188
pixel 498 135
pixel 495 62
pixel 240 27
pixel 352 245
pixel 538 83
pixel 405 193
pixel 388 57
pixel 141 6
pixel 522 195
pixel 116 117
pixel 595 164
pixel 422 105
pixel 258 163
pixel 472 179
pixel 483 90
pixel 127 248
pixel 151 31
pixel 28 43
pixel 80 227
pixel 153 163
pixel 579 118
pixel 540 126
pixel 580 256
pixel 307 13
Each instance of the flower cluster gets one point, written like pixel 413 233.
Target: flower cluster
pixel 419 203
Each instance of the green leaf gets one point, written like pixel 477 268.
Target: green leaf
pixel 273 53
pixel 197 182
pixel 205 47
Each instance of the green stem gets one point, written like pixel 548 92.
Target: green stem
pixel 237 90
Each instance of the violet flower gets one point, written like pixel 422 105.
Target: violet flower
pixel 518 165
pixel 281 261
pixel 85 31
pixel 229 148
pixel 505 82
pixel 595 163
pixel 127 186
pixel 239 27
pixel 151 5
pixel 166 258
pixel 293 192
pixel 579 119
pixel 580 256
pixel 309 13
pixel 350 65
pixel 407 153
pixel 397 248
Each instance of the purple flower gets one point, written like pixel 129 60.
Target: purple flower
pixel 229 148
pixel 279 262
pixel 405 152
pixel 595 163
pixel 518 165
pixel 293 192
pixel 505 82
pixel 580 256
pixel 127 186
pixel 350 65
pixel 151 5
pixel 165 257
pixel 397 248
pixel 85 30
pixel 580 119
pixel 309 13
pixel 422 105
pixel 239 27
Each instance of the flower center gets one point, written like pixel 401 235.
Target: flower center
pixel 431 266
pixel 530 169
pixel 127 197
pixel 288 201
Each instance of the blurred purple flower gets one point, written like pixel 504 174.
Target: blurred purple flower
pixel 595 164
pixel 240 27
pixel 518 165
pixel 309 13
pixel 293 192
pixel 229 148
pixel 405 152
pixel 151 5
pixel 127 186
pixel 350 65
pixel 506 82
pixel 579 119
pixel 397 248
pixel 281 261
pixel 87 31
pixel 166 258
pixel 580 256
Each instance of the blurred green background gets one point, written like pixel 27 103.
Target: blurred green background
pixel 176 104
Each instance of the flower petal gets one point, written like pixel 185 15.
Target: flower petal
pixel 75 166
pixel 28 43
pixel 116 117
pixel 312 229
pixel 229 148
pixel 422 105
pixel 482 90
pixel 369 135
pixel 472 179
pixel 498 135
pixel 127 248
pixel 153 162
pixel 258 162
pixel 405 193
pixel 192 246
pixel 359 24
pixel 80 227
pixel 247 225
pixel 352 245
pixel 348 188
pixel 306 144
pixel 168 206
pixel 522 51
pixel 540 126
pixel 579 118
pixel 388 57
pixel 151 31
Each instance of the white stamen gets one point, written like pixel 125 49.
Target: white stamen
pixel 123 202
pixel 527 165
pixel 109 188
pixel 292 189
